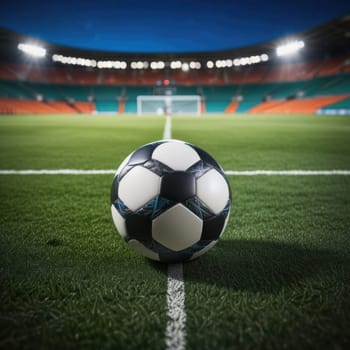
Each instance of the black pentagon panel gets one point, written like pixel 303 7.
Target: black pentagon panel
pixel 174 257
pixel 213 227
pixel 199 169
pixel 139 227
pixel 178 186
pixel 123 210
pixel 157 167
pixel 167 255
pixel 155 207
pixel 207 158
pixel 143 154
pixel 198 208
pixel 114 189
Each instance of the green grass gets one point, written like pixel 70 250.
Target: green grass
pixel 279 278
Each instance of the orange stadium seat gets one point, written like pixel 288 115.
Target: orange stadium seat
pixel 306 105
pixel 231 108
pixel 62 107
pixel 84 107
pixel 16 106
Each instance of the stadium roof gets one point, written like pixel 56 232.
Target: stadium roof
pixel 165 26
pixel 331 38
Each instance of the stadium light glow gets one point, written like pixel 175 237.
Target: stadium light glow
pixel 185 67
pixel 264 57
pixel 195 65
pixel 155 65
pixel 289 48
pixel 210 64
pixel 86 62
pixel 236 62
pixel 137 65
pixel 78 61
pixel 175 64
pixel 32 50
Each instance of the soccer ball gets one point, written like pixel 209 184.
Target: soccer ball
pixel 170 201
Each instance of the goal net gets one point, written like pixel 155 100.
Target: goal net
pixel 166 105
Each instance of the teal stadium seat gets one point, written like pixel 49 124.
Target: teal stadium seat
pixel 131 93
pixel 217 98
pixel 341 107
pixel 106 106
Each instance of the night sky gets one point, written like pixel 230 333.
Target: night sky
pixel 165 26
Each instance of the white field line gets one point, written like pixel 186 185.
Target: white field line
pixel 286 172
pixel 167 128
pixel 227 172
pixel 175 333
pixel 58 172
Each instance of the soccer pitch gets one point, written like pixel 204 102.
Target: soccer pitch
pixel 279 278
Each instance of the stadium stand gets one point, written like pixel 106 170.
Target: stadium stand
pixel 340 107
pixel 306 105
pixel 319 82
pixel 252 97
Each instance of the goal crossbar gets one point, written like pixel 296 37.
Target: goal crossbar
pixel 164 104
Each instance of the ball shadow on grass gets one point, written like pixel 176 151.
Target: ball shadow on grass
pixel 260 266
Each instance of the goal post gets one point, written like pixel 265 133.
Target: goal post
pixel 169 105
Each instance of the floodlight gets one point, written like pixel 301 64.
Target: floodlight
pixel 264 57
pixel 32 50
pixel 289 48
pixel 220 63
pixel 185 67
pixel 210 64
pixel 236 62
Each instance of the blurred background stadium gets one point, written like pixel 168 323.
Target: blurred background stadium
pixel 307 72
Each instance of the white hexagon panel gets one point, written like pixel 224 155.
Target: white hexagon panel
pixel 176 155
pixel 141 249
pixel 119 222
pixel 213 191
pixel 135 193
pixel 177 228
